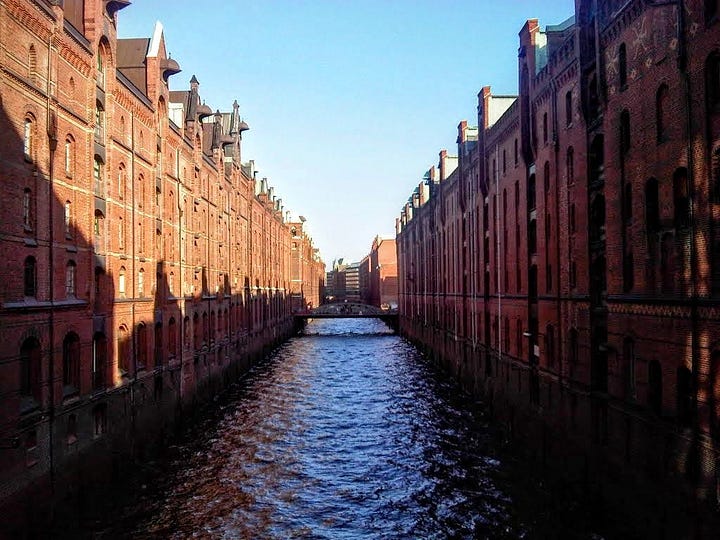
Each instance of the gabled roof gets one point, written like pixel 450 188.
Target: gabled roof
pixel 131 54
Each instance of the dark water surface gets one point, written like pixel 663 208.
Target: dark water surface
pixel 345 432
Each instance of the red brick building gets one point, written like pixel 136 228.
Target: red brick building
pixel 143 261
pixel 568 268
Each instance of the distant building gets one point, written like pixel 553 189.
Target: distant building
pixel 383 280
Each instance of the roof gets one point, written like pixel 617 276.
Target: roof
pixel 131 55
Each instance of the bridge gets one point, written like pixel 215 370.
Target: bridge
pixel 350 310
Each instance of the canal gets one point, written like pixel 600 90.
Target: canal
pixel 343 432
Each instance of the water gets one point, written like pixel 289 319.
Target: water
pixel 345 432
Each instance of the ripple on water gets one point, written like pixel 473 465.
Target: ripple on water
pixel 343 433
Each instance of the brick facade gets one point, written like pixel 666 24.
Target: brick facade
pixel 568 268
pixel 143 262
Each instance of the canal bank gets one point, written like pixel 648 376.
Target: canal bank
pixel 633 473
pixel 122 430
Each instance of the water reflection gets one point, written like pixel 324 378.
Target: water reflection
pixel 343 433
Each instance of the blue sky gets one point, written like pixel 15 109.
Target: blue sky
pixel 348 103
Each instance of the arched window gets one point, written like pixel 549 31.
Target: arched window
pixel 99 122
pixel 652 206
pixel 27 209
pixel 681 199
pixel 124 351
pixel 654 395
pixel 99 361
pixel 69 155
pixel 568 108
pixel 661 104
pixel 142 343
pixel 100 68
pixel 172 338
pixel 71 364
pixel 629 367
pixel 622 66
pixel 545 128
pixel 121 282
pixel 29 138
pixel 30 369
pixel 70 271
pixel 30 277
pixel 98 223
pixel 624 132
pixel 141 283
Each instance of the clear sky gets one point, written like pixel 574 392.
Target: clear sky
pixel 348 102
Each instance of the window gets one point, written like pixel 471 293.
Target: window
pixel 121 233
pixel 121 281
pixel 550 344
pixel 661 124
pixel 69 156
pixel 570 166
pixel 624 132
pixel 99 360
pixel 629 365
pixel 70 279
pixel 142 342
pixel 140 191
pixel 100 69
pixel 172 338
pixel 67 218
pixel 124 349
pixel 622 66
pixel 711 11
pixel 574 350
pixel 27 216
pixel 654 394
pixel 667 263
pixel 712 82
pixel 504 162
pixel 30 278
pixel 98 177
pixel 141 238
pixel 29 138
pixel 573 226
pixel 71 364
pixel 516 151
pixel 121 182
pixel 684 396
pixel 71 435
pixel 681 199
pixel 568 108
pixel 98 223
pixel 141 283
pixel 99 413
pixel 30 365
pixel 159 350
pixel 99 122
pixel 545 128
